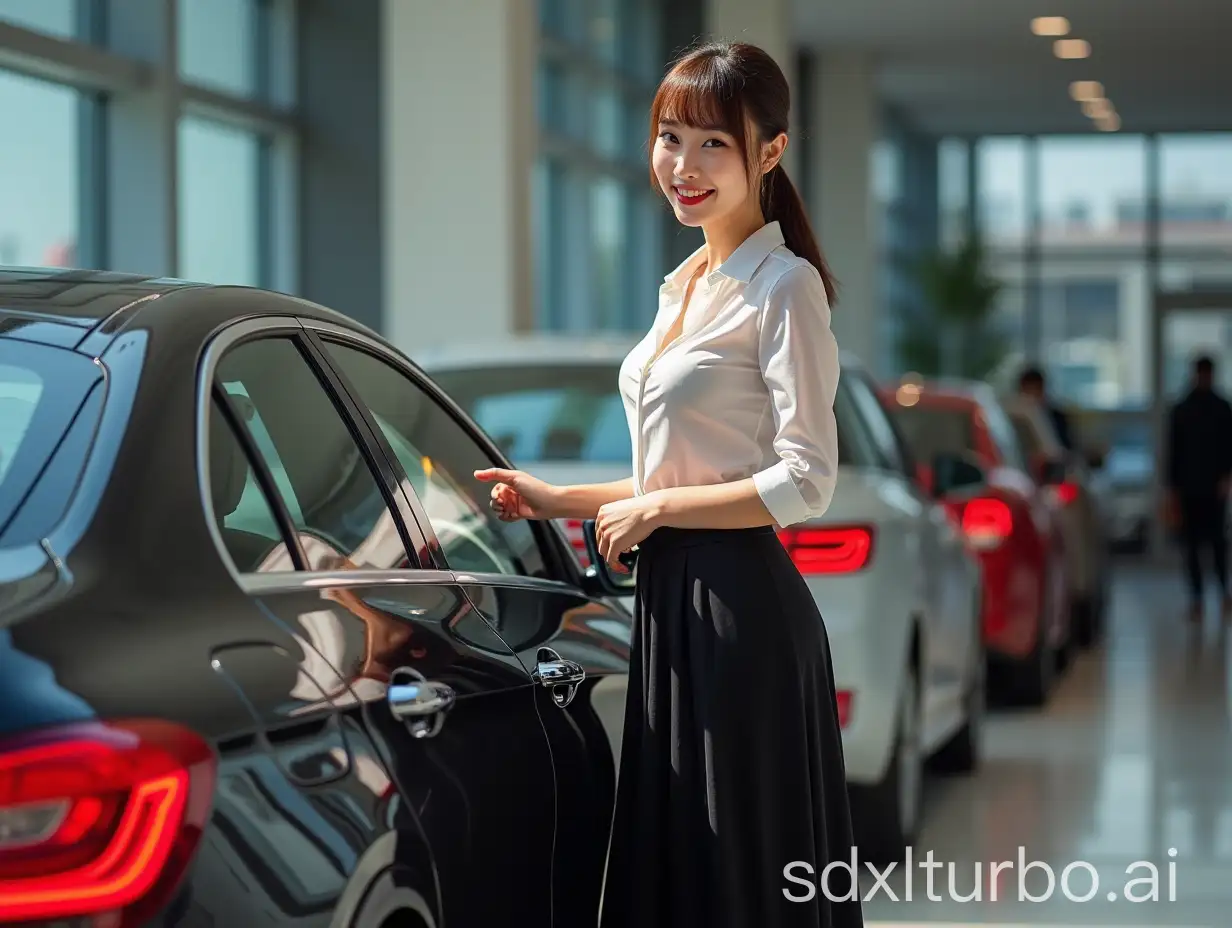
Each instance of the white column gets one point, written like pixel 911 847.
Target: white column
pixel 459 136
pixel 843 125
pixel 766 24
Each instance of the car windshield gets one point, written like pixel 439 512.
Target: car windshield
pixel 931 429
pixel 41 390
pixel 546 413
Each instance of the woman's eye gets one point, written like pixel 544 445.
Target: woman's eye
pixel 667 137
pixel 717 142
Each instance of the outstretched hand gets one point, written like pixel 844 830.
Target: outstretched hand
pixel 517 495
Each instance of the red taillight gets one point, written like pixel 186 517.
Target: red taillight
pixel 844 707
pixel 577 540
pixel 1066 492
pixel 100 819
pixel 986 522
pixel 837 550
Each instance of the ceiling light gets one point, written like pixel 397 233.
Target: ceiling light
pixel 1110 123
pixel 1050 25
pixel 1098 109
pixel 1072 48
pixel 1082 91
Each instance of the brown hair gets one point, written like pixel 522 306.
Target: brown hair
pixel 725 87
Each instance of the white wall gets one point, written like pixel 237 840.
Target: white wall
pixel 458 145
pixel 843 126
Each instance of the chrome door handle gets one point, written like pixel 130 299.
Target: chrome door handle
pixel 421 703
pixel 560 676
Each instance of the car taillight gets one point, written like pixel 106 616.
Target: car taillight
pixel 1066 492
pixel 837 550
pixel 100 819
pixel 986 522
pixel 844 700
pixel 577 540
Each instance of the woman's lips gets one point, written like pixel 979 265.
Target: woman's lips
pixel 691 196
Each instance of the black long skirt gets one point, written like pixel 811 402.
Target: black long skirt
pixel 732 760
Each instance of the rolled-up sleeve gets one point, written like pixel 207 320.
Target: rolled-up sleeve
pixel 800 365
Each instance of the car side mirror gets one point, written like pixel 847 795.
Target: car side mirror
pixel 599 575
pixel 952 472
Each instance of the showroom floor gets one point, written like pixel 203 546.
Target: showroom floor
pixel 1130 759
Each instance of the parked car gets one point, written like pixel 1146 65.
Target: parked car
pixel 265 656
pixel 1009 520
pixel 899 591
pixel 1083 506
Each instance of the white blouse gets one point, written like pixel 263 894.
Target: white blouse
pixel 747 389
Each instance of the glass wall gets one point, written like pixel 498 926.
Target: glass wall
pixel 598 221
pixel 1080 231
pixel 189 179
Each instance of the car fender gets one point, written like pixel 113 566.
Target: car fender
pixel 382 886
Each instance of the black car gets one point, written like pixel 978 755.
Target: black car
pixel 266 656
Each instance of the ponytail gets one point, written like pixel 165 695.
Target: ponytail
pixel 781 203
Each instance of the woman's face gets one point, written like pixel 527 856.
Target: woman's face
pixel 701 172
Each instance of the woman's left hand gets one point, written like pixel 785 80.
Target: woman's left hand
pixel 621 525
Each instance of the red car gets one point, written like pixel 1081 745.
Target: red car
pixel 1008 517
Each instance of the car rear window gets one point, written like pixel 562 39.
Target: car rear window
pixel 42 389
pixel 546 413
pixel 930 430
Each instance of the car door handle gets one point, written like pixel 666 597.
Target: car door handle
pixel 422 704
pixel 560 676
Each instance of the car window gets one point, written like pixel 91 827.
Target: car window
pixel 933 428
pixel 546 413
pixel 245 518
pixel 876 421
pixel 322 476
pixel 440 457
pixel 855 444
pixel 43 392
pixel 1003 435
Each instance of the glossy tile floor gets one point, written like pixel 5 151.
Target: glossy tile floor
pixel 1129 763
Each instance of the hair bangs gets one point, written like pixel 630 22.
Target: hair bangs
pixel 702 93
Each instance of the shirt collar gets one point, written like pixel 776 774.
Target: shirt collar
pixel 740 265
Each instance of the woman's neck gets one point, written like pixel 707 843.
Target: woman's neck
pixel 722 240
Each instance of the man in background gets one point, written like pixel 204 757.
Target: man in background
pixel 1031 384
pixel 1198 472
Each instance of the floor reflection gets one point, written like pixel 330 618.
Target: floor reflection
pixel 1127 770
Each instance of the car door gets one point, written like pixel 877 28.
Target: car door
pixel 524 581
pixel 393 638
pixel 304 801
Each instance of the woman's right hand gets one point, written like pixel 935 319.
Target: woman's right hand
pixel 518 495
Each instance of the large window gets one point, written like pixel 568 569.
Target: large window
pixel 218 191
pixel 40 171
pixel 185 172
pixel 598 222
pixel 55 17
pixel 1002 191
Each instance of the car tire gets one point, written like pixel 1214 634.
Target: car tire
pixel 887 814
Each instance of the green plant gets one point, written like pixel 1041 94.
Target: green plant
pixel 956 334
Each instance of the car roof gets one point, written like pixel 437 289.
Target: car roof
pixel 86 309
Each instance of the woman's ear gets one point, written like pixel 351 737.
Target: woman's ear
pixel 772 152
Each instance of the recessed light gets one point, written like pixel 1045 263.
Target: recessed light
pixel 1098 109
pixel 1072 48
pixel 1082 91
pixel 1050 25
pixel 1110 123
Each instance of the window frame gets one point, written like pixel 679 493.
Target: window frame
pixel 558 566
pixel 210 391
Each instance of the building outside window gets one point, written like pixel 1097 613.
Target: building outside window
pixel 194 180
pixel 598 221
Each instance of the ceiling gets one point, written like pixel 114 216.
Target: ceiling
pixel 974 66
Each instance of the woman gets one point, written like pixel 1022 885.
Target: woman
pixel 732 764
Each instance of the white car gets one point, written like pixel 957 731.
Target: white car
pixel 899 590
